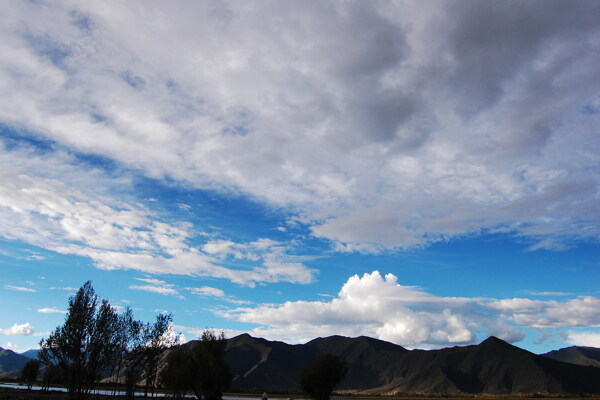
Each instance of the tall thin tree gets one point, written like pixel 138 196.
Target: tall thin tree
pixel 83 347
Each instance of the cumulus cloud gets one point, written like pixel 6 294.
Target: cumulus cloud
pixel 590 339
pixel 20 288
pixel 25 329
pixel 381 124
pixel 378 306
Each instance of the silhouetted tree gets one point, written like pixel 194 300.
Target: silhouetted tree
pixel 199 366
pixel 211 373
pixel 84 346
pixel 320 378
pixel 51 376
pixel 178 373
pixel 129 341
pixel 158 337
pixel 29 372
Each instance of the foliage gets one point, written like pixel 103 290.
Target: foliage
pixel 51 376
pixel 96 340
pixel 130 354
pixel 30 372
pixel 85 344
pixel 320 378
pixel 177 375
pixel 199 366
pixel 158 337
pixel 213 376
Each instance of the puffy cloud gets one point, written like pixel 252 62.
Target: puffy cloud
pixel 590 339
pixel 25 329
pixel 582 311
pixel 381 124
pixel 378 306
pixel 20 288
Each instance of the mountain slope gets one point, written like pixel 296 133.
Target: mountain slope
pixel 577 355
pixel 33 353
pixel 11 362
pixel 261 364
pixel 493 366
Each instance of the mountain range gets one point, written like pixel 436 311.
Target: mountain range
pixel 376 366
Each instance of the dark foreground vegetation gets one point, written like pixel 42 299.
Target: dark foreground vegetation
pixel 23 394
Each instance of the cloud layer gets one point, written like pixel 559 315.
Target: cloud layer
pixel 381 125
pixel 378 306
pixel 85 221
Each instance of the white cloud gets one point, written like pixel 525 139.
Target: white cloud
pixel 156 286
pixel 50 310
pixel 65 288
pixel 20 288
pixel 116 235
pixel 25 329
pixel 11 346
pixel 582 311
pixel 382 125
pixel 590 339
pixel 207 291
pixel 379 306
pixel 215 292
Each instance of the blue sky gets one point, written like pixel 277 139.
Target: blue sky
pixel 422 173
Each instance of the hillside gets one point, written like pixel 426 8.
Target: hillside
pixel 33 353
pixel 11 362
pixel 577 355
pixel 376 366
pixel 493 366
pixel 261 364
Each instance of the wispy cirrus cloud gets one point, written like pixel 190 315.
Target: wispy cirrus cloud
pixel 116 235
pixel 20 288
pixel 156 286
pixel 51 310
pixel 207 291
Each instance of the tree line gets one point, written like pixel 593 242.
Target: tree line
pixel 96 342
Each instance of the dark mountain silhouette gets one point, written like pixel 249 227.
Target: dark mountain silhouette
pixel 376 366
pixel 493 366
pixel 261 364
pixel 11 363
pixel 579 355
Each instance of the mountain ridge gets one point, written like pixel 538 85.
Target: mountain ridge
pixel 379 367
pixel 375 366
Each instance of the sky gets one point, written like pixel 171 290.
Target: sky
pixel 425 173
